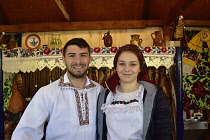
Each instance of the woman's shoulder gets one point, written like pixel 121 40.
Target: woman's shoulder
pixel 149 86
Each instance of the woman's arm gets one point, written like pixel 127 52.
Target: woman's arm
pixel 162 118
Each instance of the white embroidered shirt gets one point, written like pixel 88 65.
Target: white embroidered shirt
pixel 124 115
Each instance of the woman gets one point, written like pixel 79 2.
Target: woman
pixel 132 108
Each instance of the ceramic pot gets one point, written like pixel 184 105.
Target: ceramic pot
pixel 135 40
pixel 157 38
pixel 55 41
pixel 107 39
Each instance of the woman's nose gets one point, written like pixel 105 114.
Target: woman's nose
pixel 127 68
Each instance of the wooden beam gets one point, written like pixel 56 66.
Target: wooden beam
pixel 166 33
pixel 60 5
pixel 94 25
pixel 146 9
pixel 194 23
pixel 71 26
pixel 177 10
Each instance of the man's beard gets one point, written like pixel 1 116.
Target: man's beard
pixel 80 75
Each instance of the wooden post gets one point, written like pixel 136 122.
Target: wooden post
pixel 1 100
pixel 179 91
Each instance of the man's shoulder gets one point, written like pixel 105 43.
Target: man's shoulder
pixel 51 86
pixel 97 84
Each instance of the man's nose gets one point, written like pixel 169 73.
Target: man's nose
pixel 77 59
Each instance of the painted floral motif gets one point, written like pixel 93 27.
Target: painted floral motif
pixel 163 49
pixel 124 102
pixel 10 53
pixel 27 53
pixel 97 50
pixel 196 86
pixel 147 49
pixel 113 49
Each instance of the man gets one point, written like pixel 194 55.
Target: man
pixel 68 105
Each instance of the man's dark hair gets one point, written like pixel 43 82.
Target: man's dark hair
pixel 80 42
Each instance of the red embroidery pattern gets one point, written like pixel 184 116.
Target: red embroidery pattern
pixel 79 109
pixel 62 84
pixel 82 121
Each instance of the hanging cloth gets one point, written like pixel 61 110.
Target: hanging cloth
pixel 197 41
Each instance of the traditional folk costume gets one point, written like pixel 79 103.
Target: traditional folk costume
pixel 69 112
pixel 140 115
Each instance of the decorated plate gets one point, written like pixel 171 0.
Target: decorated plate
pixel 32 41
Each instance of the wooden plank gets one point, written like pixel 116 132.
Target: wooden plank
pixel 194 23
pixel 146 9
pixel 60 5
pixel 72 26
pixel 94 25
pixel 1 99
pixel 166 33
pixel 177 10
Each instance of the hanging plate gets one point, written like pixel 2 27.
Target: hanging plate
pixel 32 41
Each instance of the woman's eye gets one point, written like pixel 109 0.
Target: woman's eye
pixel 122 64
pixel 133 64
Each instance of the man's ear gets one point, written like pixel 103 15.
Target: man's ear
pixel 63 58
pixel 90 59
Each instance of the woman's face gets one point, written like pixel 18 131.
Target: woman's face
pixel 128 67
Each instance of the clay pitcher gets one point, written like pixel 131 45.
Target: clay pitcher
pixel 158 40
pixel 135 40
pixel 107 39
pixel 55 41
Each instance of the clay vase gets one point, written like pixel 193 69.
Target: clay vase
pixel 55 41
pixel 158 40
pixel 17 101
pixel 107 39
pixel 135 40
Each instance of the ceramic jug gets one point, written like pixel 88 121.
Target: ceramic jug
pixel 136 40
pixel 55 41
pixel 158 40
pixel 107 39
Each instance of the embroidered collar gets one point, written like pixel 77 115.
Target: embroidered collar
pixel 65 83
pixel 138 93
pixel 123 102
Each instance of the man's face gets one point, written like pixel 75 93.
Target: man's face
pixel 77 61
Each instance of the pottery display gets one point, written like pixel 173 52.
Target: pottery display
pixel 158 40
pixel 107 39
pixel 55 41
pixel 136 40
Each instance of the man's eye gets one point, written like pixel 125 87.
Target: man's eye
pixel 84 55
pixel 71 55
